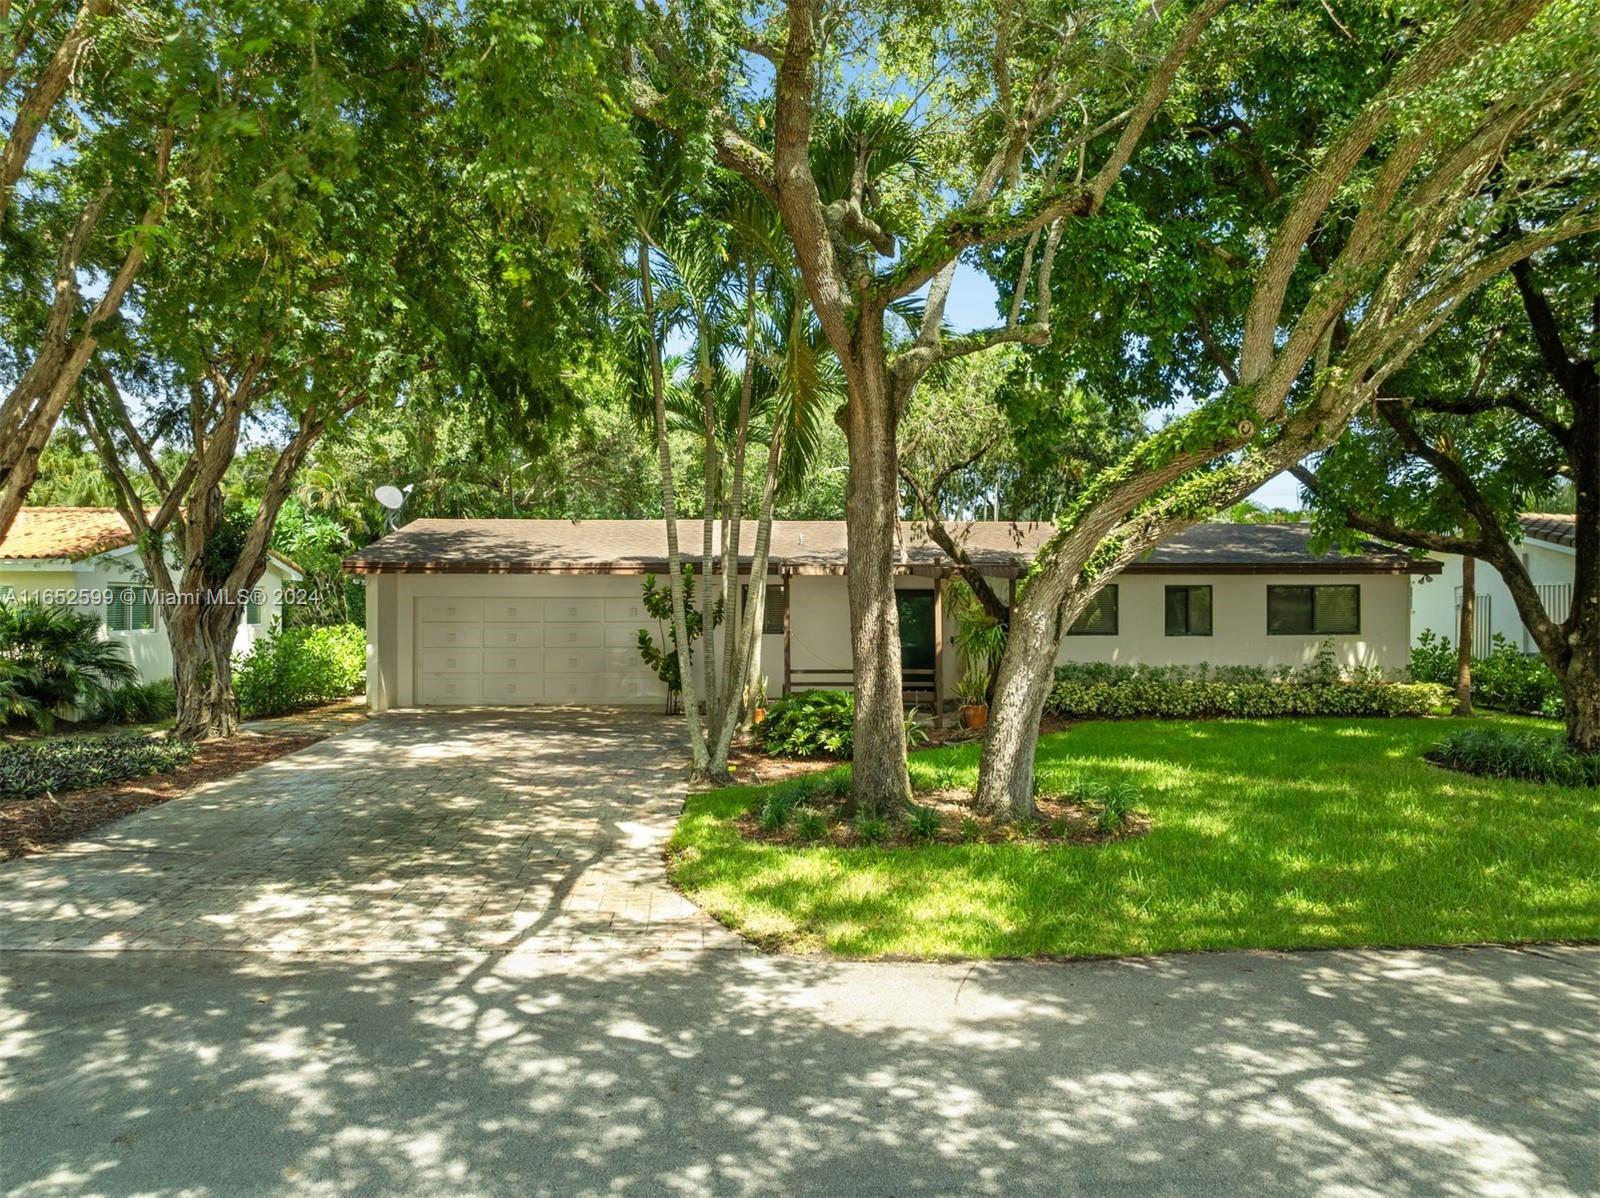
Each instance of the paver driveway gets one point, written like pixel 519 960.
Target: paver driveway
pixel 415 832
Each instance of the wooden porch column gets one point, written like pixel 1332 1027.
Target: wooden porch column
pixel 788 614
pixel 938 651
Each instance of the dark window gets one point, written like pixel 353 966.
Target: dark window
pixel 772 612
pixel 130 609
pixel 916 629
pixel 1313 611
pixel 1188 611
pixel 1100 617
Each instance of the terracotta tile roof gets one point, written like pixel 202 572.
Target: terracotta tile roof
pixel 1554 527
pixel 74 533
pixel 65 532
pixel 818 547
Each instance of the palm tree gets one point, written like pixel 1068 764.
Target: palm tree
pixel 53 660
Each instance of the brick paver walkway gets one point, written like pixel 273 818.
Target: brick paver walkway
pixel 527 830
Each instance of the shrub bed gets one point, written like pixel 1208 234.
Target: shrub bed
pixel 137 703
pixel 1088 690
pixel 54 766
pixel 809 724
pixel 1506 680
pixel 300 667
pixel 1515 753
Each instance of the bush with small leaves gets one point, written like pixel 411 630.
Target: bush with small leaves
pixel 922 822
pixel 872 830
pixel 810 825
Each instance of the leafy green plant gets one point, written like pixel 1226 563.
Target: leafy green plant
pixel 777 809
pixel 137 703
pixel 1516 753
pixel 1117 804
pixel 971 829
pixel 922 822
pixel 56 766
pixel 872 830
pixel 53 660
pixel 1095 690
pixel 300 667
pixel 810 825
pixel 810 724
pixel 664 657
pixel 1507 680
pixel 917 734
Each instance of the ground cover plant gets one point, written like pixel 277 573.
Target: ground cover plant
pixel 1289 833
pixel 1516 753
pixel 76 763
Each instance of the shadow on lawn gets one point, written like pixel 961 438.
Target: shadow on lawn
pixel 223 1074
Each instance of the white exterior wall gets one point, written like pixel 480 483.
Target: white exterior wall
pixel 147 648
pixel 819 624
pixel 1433 600
pixel 1239 624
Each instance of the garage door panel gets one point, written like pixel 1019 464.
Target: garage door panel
pixel 512 661
pixel 574 661
pixel 513 611
pixel 570 611
pixel 624 636
pixel 627 688
pixel 512 690
pixel 451 661
pixel 451 636
pixel 448 691
pixel 573 688
pixel 574 636
pixel 450 609
pixel 628 609
pixel 506 636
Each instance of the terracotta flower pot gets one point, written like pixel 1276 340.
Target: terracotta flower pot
pixel 760 714
pixel 974 716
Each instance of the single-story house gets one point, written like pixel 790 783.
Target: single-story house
pixel 1549 551
pixel 84 557
pixel 511 612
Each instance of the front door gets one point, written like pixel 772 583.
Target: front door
pixel 916 630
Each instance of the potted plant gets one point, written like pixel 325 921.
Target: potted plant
pixel 759 704
pixel 970 689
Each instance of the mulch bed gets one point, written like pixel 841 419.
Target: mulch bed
pixel 33 825
pixel 1061 821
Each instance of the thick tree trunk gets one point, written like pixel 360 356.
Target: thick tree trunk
pixel 1469 610
pixel 1580 690
pixel 1021 686
pixel 881 781
pixel 201 638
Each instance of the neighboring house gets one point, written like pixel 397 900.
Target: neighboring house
pixel 1548 550
pixel 84 557
pixel 511 612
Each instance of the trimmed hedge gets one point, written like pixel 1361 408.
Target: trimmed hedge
pixel 1512 753
pixel 77 763
pixel 300 667
pixel 1095 691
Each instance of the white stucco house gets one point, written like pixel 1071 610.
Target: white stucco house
pixel 514 612
pixel 1548 550
pixel 84 557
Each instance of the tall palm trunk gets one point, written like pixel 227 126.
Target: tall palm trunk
pixel 680 621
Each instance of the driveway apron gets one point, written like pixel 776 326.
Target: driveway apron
pixel 537 830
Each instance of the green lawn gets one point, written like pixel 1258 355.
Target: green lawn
pixel 1267 834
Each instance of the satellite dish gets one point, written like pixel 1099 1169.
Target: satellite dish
pixel 391 497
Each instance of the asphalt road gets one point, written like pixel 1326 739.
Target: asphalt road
pixel 220 1073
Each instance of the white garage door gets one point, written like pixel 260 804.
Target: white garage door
pixel 512 652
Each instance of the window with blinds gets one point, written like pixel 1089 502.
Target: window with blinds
pixel 1313 610
pixel 132 609
pixel 1100 617
pixel 772 613
pixel 1189 611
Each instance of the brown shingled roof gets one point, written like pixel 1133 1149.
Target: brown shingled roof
pixel 1555 527
pixel 818 547
pixel 72 533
